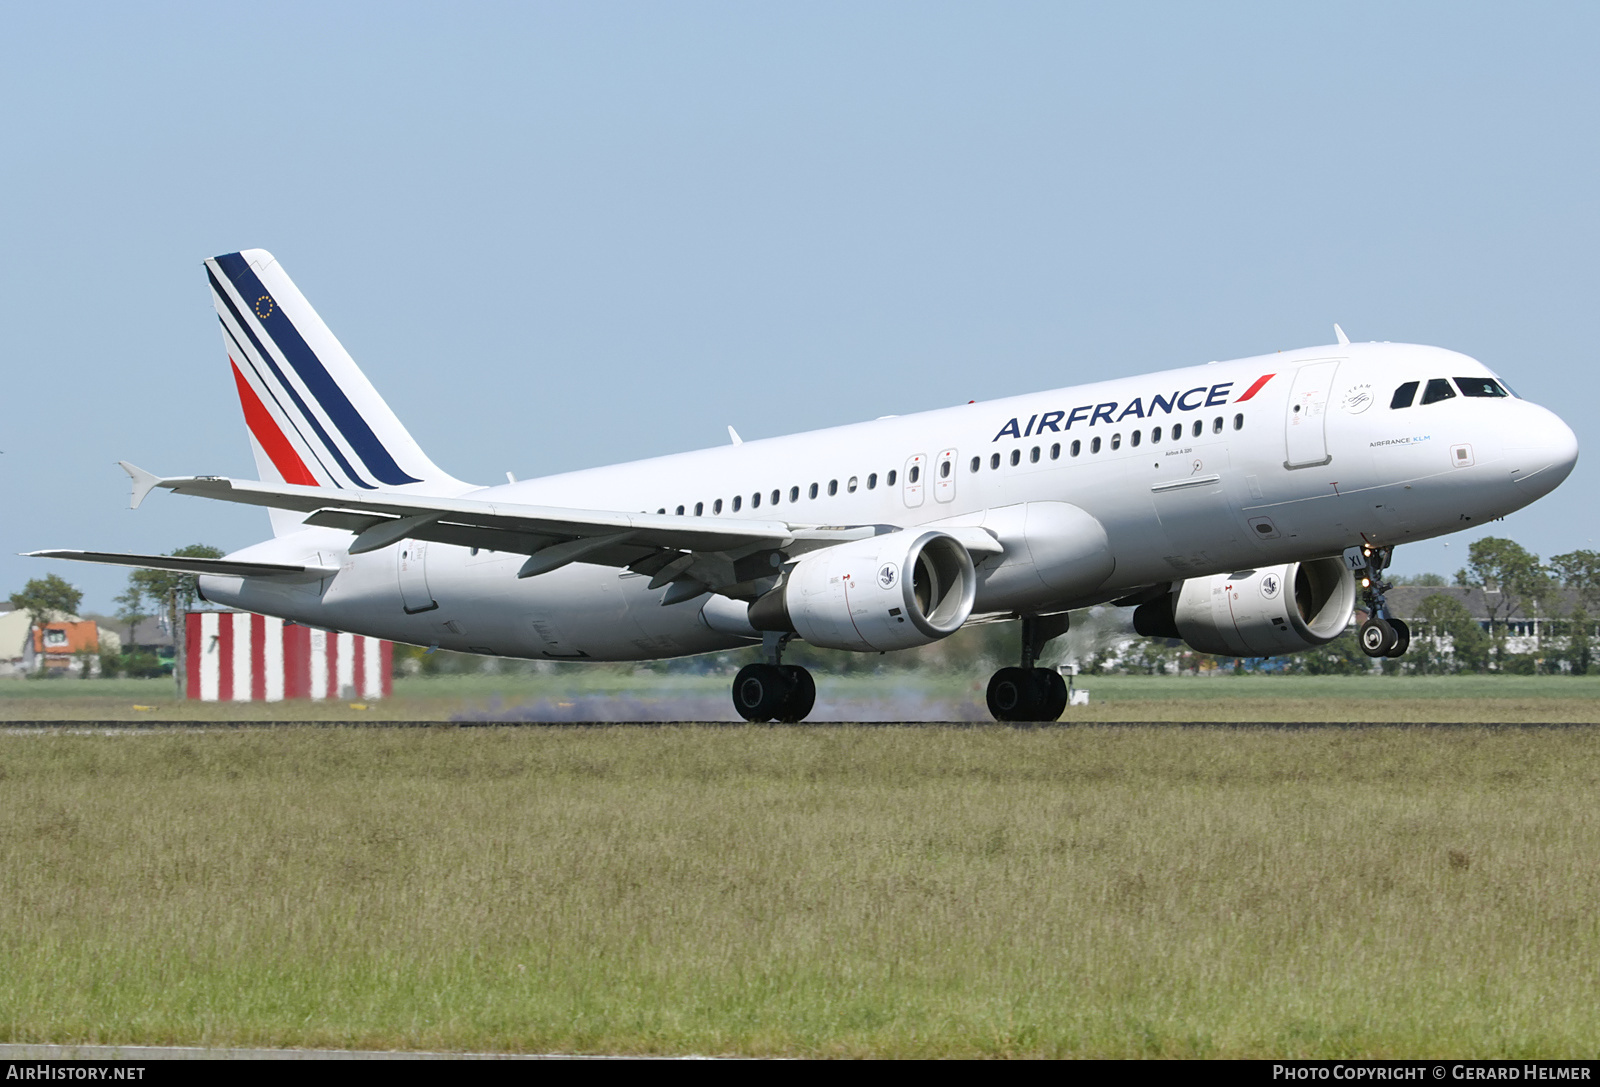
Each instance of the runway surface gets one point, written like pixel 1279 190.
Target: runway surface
pixel 145 725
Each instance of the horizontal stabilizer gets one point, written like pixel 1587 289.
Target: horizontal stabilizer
pixel 225 567
pixel 143 482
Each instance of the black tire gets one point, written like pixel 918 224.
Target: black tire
pixel 760 692
pixel 1402 638
pixel 1054 691
pixel 1377 638
pixel 802 694
pixel 1014 695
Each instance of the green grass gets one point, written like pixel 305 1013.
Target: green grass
pixel 809 891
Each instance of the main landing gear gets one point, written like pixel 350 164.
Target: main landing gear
pixel 1382 635
pixel 773 691
pixel 1028 693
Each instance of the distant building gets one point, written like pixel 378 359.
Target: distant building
pixel 66 645
pixel 1526 626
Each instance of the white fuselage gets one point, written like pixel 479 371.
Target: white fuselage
pixel 1187 476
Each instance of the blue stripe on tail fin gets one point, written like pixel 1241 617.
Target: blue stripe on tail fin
pixel 309 386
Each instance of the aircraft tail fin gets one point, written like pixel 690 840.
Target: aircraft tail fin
pixel 313 417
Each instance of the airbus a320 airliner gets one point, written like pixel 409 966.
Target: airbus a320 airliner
pixel 1244 507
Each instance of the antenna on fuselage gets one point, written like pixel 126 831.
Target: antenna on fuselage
pixel 734 434
pixel 1339 332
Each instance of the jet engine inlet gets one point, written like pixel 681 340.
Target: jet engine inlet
pixel 1256 613
pixel 890 592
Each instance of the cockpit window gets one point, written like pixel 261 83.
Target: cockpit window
pixel 1479 386
pixel 1438 389
pixel 1404 395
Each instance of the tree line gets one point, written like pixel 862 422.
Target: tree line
pixel 166 595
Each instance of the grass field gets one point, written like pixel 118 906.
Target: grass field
pixel 1131 891
pixel 610 693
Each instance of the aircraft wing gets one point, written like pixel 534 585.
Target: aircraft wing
pixel 727 555
pixel 193 566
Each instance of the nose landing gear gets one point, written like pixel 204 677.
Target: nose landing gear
pixel 1382 635
pixel 1028 693
pixel 773 691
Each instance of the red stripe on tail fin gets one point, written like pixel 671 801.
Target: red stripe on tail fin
pixel 261 424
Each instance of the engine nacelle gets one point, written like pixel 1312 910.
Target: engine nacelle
pixel 895 591
pixel 1256 613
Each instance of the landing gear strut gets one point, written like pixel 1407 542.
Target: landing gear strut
pixel 1028 693
pixel 774 691
pixel 1382 635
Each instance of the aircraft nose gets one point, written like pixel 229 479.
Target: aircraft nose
pixel 1542 454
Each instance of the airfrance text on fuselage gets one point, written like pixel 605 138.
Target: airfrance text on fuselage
pixel 1204 396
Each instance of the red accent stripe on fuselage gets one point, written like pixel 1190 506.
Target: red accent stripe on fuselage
pixel 1252 390
pixel 261 424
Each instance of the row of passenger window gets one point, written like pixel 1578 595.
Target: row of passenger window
pixel 1198 427
pixel 914 473
pixel 1439 389
pixel 813 491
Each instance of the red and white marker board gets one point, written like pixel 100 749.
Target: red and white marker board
pixel 236 656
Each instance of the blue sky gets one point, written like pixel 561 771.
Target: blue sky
pixel 565 235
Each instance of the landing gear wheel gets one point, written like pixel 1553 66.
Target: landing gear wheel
pixel 802 694
pixel 1027 694
pixel 1054 689
pixel 1402 638
pixel 760 691
pixel 771 692
pixel 1011 694
pixel 1377 638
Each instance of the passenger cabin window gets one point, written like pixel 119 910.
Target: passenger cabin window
pixel 680 511
pixel 1238 421
pixel 755 501
pixel 1116 441
pixel 977 462
pixel 811 491
pixel 1077 447
pixel 994 461
pixel 1033 455
pixel 1216 425
pixel 1094 445
pixel 699 508
pixel 1016 457
pixel 1177 432
pixel 851 486
pixel 890 478
pixel 1438 389
pixel 1404 395
pixel 716 507
pixel 794 494
pixel 1135 438
pixel 1198 428
pixel 738 500
pixel 872 481
pixel 833 487
pixel 775 498
pixel 1055 451
pixel 1479 386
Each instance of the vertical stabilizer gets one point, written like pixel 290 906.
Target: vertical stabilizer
pixel 313 417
